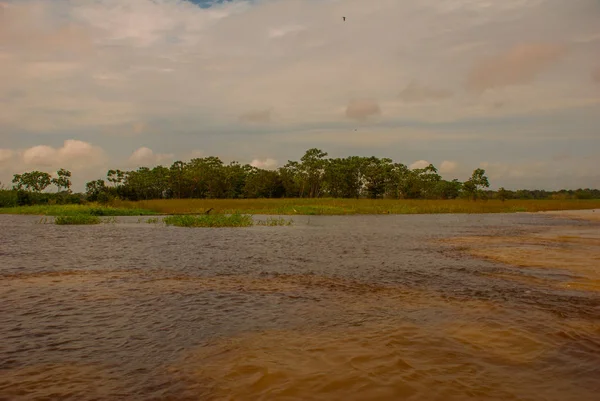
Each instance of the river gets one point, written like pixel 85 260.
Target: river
pixel 330 308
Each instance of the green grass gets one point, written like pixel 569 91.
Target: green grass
pixel 328 206
pixel 77 219
pixel 75 210
pixel 320 206
pixel 210 220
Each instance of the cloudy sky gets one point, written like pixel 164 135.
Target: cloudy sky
pixel 512 86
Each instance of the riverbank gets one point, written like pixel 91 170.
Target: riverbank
pixel 91 209
pixel 322 206
pixel 307 207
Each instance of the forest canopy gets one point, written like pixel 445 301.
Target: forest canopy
pixel 313 176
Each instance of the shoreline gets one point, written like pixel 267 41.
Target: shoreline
pixel 589 214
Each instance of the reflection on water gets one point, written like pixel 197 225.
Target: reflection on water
pixel 356 308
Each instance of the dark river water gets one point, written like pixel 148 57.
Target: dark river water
pixel 331 308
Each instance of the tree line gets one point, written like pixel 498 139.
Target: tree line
pixel 313 176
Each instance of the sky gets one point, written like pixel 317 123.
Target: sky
pixel 510 86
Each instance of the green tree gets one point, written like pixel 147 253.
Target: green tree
pixel 502 194
pixel 313 165
pixel 416 183
pixel 17 182
pixel 398 183
pixel 35 181
pixel 474 185
pixel 447 189
pixel 376 174
pixel 235 176
pixel 292 179
pixel 96 191
pixel 63 180
pixel 177 175
pixel 343 178
pixel 263 184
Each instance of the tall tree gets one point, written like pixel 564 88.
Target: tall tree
pixel 343 178
pixel 35 181
pixel 292 179
pixel 63 180
pixel 313 164
pixel 447 189
pixel 263 184
pixel 177 178
pixel 474 185
pixel 377 174
pixel 96 191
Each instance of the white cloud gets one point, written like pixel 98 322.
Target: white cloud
pixel 73 154
pixel 448 166
pixel 264 164
pixel 85 160
pixel 419 164
pixel 41 155
pixel 146 157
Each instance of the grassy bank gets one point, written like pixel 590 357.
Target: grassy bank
pixel 350 206
pixel 301 207
pixel 74 210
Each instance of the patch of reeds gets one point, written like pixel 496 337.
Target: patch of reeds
pixel 78 219
pixel 330 206
pixel 271 221
pixel 210 220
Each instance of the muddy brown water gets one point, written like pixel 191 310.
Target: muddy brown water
pixel 332 308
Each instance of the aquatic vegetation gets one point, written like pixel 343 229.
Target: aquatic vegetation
pixel 110 220
pixel 77 219
pixel 210 220
pixel 333 206
pixel 271 221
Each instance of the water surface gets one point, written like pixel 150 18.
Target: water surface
pixel 334 307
